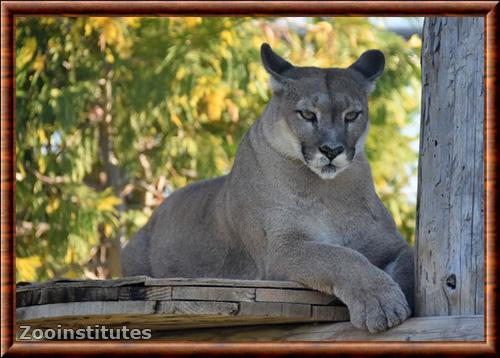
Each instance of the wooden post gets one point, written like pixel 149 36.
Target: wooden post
pixel 449 242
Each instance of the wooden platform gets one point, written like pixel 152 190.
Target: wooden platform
pixel 172 304
pixel 217 310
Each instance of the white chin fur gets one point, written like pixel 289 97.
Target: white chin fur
pixel 319 162
pixel 325 175
pixel 340 160
pixel 328 174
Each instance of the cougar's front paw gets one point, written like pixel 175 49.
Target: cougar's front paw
pixel 377 307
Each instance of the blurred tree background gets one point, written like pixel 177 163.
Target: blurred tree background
pixel 113 114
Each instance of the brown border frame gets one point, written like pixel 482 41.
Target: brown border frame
pixel 11 9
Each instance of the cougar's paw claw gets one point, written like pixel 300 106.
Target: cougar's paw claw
pixel 378 309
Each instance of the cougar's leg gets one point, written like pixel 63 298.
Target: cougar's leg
pixel 402 270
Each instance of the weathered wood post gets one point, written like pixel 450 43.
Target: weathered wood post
pixel 449 243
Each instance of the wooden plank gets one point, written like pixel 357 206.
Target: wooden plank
pixel 129 293
pixel 222 282
pixel 443 328
pixel 42 296
pixel 158 293
pixel 214 293
pixel 173 327
pixel 260 309
pixel 24 314
pixel 197 308
pixel 24 299
pixel 127 281
pixel 274 309
pixel 330 313
pixel 293 296
pixel 450 242
pixel 295 310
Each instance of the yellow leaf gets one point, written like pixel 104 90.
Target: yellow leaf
pixel 133 21
pixel 324 26
pixel 42 165
pixel 108 203
pixel 252 88
pixel 88 28
pixel 26 268
pixel 53 206
pixel 181 72
pixel 227 37
pixel 108 230
pixel 109 57
pixel 39 63
pixel 225 53
pixel 55 92
pixel 415 41
pixel 110 32
pixel 215 103
pixel 213 107
pixel 70 255
pixel 256 42
pixel 26 53
pixel 221 165
pixel 192 22
pixel 190 146
pixel 42 137
pixel 176 120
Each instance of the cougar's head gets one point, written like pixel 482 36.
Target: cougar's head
pixel 320 115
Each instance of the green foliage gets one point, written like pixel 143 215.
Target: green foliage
pixel 112 114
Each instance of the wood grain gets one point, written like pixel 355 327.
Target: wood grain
pixel 172 303
pixel 194 308
pixel 450 226
pixel 146 288
pixel 7 185
pixel 149 281
pixel 287 295
pixel 255 8
pixel 450 328
pixel 171 315
pixel 24 315
pixel 332 313
pixel 214 293
pixel 491 177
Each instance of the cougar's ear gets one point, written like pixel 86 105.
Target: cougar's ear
pixel 275 66
pixel 369 67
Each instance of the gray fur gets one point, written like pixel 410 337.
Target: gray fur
pixel 280 215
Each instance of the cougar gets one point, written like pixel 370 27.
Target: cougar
pixel 299 203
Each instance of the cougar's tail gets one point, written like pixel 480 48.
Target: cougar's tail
pixel 135 255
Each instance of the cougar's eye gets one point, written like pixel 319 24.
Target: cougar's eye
pixel 307 115
pixel 352 116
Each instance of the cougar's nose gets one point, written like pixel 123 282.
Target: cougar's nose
pixel 329 152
